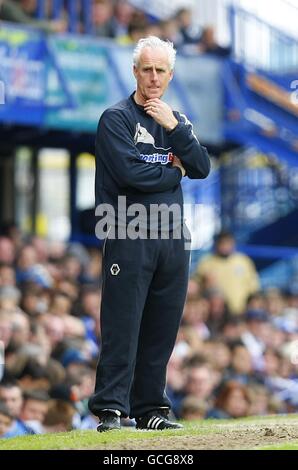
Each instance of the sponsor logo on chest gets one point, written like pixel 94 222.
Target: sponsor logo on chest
pixel 142 136
pixel 158 158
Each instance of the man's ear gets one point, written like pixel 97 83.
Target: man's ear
pixel 135 71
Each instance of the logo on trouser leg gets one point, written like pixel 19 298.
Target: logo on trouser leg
pixel 115 270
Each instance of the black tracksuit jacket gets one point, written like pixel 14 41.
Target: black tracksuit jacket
pixel 134 153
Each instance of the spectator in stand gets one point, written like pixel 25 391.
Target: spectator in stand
pixel 81 383
pixel 135 31
pixel 90 302
pixel 7 275
pixel 12 232
pixel 122 17
pixel 193 409
pixel 6 420
pixel 89 311
pixel 29 269
pixel 41 246
pixel 35 408
pixel 11 395
pixel 71 267
pixel 20 329
pixel 102 14
pixel 94 269
pixel 61 305
pixel 170 31
pixel 275 302
pixel 256 301
pixel 54 328
pixel 20 12
pixel 195 314
pixel 200 381
pixel 208 44
pixel 218 313
pixel 191 33
pixel 233 401
pixel 30 373
pixel 241 369
pixel 53 340
pixel 232 272
pixel 59 417
pixel 272 362
pixel 259 400
pixel 233 328
pixel 71 289
pixel 7 249
pixel 153 29
pixel 218 354
pixel 35 299
pixel 254 338
pixel 9 298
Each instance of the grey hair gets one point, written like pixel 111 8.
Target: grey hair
pixel 154 43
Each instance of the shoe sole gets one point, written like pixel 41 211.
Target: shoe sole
pixel 99 429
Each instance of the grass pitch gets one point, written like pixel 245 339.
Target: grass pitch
pixel 270 433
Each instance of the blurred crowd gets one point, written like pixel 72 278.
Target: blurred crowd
pixel 236 353
pixel 119 20
pixel 237 350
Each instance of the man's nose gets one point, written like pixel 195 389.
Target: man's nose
pixel 154 76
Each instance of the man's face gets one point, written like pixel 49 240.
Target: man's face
pixel 200 382
pixel 225 246
pixel 12 397
pixel 152 73
pixel 34 410
pixel 6 250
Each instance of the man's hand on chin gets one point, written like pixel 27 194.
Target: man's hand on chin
pixel 161 113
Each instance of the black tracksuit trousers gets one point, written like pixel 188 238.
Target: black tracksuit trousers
pixel 141 311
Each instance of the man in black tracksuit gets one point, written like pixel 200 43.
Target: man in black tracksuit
pixel 143 149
